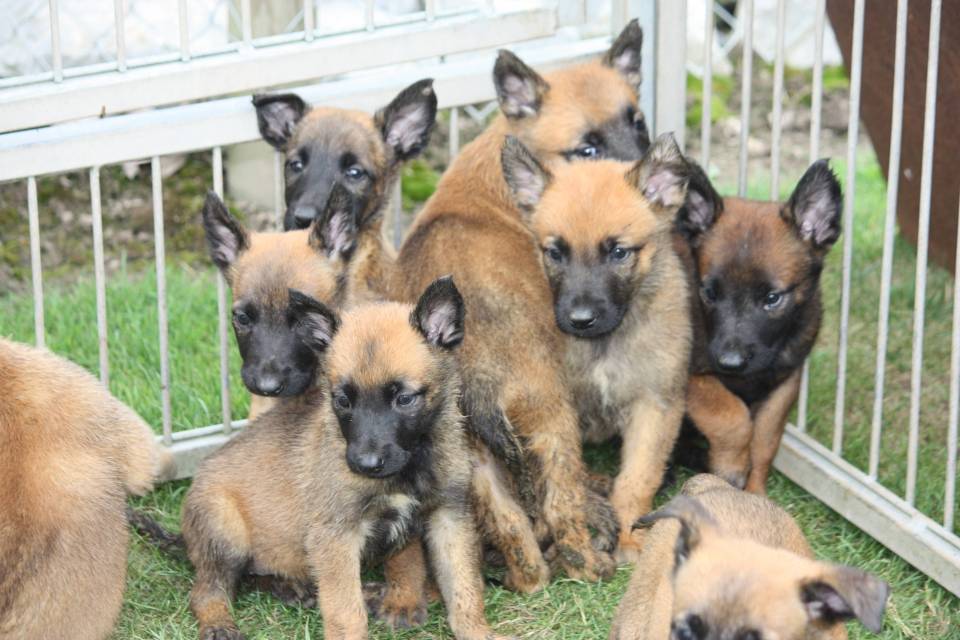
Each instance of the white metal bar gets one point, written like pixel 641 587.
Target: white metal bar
pixel 36 272
pixel 38 105
pixel 278 186
pixel 430 8
pixel 184 30
pixel 161 261
pixel 746 82
pixel 99 274
pixel 223 324
pixel 246 24
pixel 777 102
pixel 853 135
pixel 454 136
pixel 369 15
pixel 119 22
pixel 919 301
pixel 226 121
pixel 890 223
pixel 671 82
pixel 950 489
pixel 707 108
pixel 55 53
pixel 815 112
pixel 309 20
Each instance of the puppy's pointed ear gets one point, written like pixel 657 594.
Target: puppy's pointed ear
pixel 815 206
pixel 334 232
pixel 841 593
pixel 317 323
pixel 439 314
pixel 624 54
pixel 278 115
pixel 662 175
pixel 525 176
pixel 702 207
pixel 695 522
pixel 520 89
pixel 226 237
pixel 407 121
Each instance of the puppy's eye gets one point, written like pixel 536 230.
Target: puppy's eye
pixel 295 165
pixel 553 253
pixel 405 399
pixel 241 319
pixel 772 300
pixel 355 172
pixel 708 292
pixel 587 151
pixel 341 401
pixel 619 254
pixel 640 124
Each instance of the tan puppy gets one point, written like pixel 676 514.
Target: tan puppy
pixel 720 563
pixel 355 468
pixel 70 453
pixel 619 290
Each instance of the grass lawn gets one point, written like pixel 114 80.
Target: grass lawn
pixel 156 601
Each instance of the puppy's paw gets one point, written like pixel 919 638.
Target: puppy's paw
pixel 630 546
pixel 589 566
pixel 397 610
pixel 527 579
pixel 221 633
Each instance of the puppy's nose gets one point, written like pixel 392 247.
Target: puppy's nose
pixel 369 463
pixel 582 318
pixel 304 215
pixel 732 361
pixel 269 385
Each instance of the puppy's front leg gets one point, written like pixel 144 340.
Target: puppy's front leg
pixel 335 562
pixel 454 552
pixel 769 420
pixel 725 421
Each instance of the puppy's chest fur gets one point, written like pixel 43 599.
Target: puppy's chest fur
pixel 388 522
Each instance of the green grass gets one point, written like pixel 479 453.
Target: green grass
pixel 156 600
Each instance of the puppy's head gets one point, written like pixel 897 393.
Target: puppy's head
pixel 324 147
pixel 728 588
pixel 587 111
pixel 280 283
pixel 600 226
pixel 391 374
pixel 759 265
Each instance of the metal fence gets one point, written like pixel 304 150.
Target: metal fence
pixel 85 117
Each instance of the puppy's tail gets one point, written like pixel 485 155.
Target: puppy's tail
pixel 157 535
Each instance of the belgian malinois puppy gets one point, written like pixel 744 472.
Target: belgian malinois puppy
pixel 757 268
pixel 325 147
pixel 70 453
pixel 720 563
pixel 512 355
pixel 357 467
pixel 619 290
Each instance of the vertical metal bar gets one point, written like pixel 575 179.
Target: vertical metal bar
pixel 619 16
pixel 671 42
pixel 223 325
pixel 707 108
pixel 454 137
pixel 890 222
pixel 184 31
pixel 430 9
pixel 777 102
pixel 99 274
pixel 397 207
pixel 278 185
pixel 853 134
pixel 246 23
pixel 309 22
pixel 119 24
pixel 36 273
pixel 746 82
pixel 368 13
pixel 161 262
pixel 950 491
pixel 919 301
pixel 55 53
pixel 815 112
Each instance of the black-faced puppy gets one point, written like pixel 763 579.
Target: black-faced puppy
pixel 619 292
pixel 757 266
pixel 356 468
pixel 70 453
pixel 325 147
pixel 722 564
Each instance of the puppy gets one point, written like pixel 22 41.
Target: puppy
pixel 356 468
pixel 756 267
pixel 70 453
pixel 619 291
pixel 720 563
